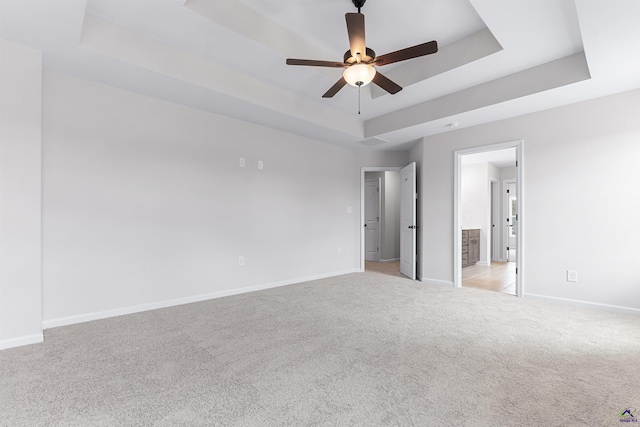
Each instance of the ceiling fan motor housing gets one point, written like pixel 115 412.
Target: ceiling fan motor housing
pixel 359 3
pixel 367 58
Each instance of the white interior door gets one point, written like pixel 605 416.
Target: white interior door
pixel 372 219
pixel 408 221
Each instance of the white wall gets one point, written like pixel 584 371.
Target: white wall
pixel 20 191
pixel 475 203
pixel 144 202
pixel 508 173
pixel 580 178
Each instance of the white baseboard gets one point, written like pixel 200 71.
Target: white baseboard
pixel 87 317
pixel 579 303
pixel 438 282
pixel 20 341
pixel 390 260
pixel 483 263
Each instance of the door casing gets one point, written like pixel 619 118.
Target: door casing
pixel 457 220
pixel 362 201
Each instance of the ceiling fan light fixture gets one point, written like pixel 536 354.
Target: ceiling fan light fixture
pixel 359 74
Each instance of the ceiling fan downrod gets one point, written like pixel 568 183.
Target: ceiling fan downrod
pixel 359 4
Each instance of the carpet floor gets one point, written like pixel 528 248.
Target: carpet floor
pixel 363 349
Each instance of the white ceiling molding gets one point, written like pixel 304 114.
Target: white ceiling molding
pixel 497 58
pixel 561 72
pixel 136 49
pixel 464 51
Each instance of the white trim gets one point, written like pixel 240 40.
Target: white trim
pixel 437 282
pixel 485 263
pixel 87 317
pixel 20 341
pixel 588 304
pixel 390 260
pixel 457 232
pixel 364 169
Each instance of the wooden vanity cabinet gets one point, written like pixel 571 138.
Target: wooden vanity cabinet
pixel 470 247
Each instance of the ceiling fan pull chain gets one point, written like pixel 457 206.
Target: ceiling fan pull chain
pixel 359 86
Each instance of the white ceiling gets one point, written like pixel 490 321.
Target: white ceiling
pixel 497 58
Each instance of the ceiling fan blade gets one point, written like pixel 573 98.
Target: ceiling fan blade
pixel 386 84
pixel 355 29
pixel 408 53
pixel 335 88
pixel 314 63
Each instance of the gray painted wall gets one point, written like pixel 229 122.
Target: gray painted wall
pixel 580 170
pixel 20 195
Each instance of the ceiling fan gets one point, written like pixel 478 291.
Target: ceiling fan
pixel 359 60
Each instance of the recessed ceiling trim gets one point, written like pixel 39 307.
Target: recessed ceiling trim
pixel 119 43
pixel 554 74
pixel 242 19
pixel 468 49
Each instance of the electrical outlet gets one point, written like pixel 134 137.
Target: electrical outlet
pixel 240 260
pixel 241 162
pixel 572 276
pixel 260 165
pixel 349 209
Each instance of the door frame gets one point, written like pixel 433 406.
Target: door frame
pixel 457 220
pixel 364 169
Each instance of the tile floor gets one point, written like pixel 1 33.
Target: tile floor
pixel 391 268
pixel 498 277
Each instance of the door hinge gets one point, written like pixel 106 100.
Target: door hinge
pixel 516 271
pixel 516 163
pixel 377 188
pixel 378 249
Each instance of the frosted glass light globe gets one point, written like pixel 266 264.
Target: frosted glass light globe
pixel 359 73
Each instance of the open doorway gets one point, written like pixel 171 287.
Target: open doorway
pixel 398 220
pixel 487 206
pixel 382 221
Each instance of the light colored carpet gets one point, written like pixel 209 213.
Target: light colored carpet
pixel 362 349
